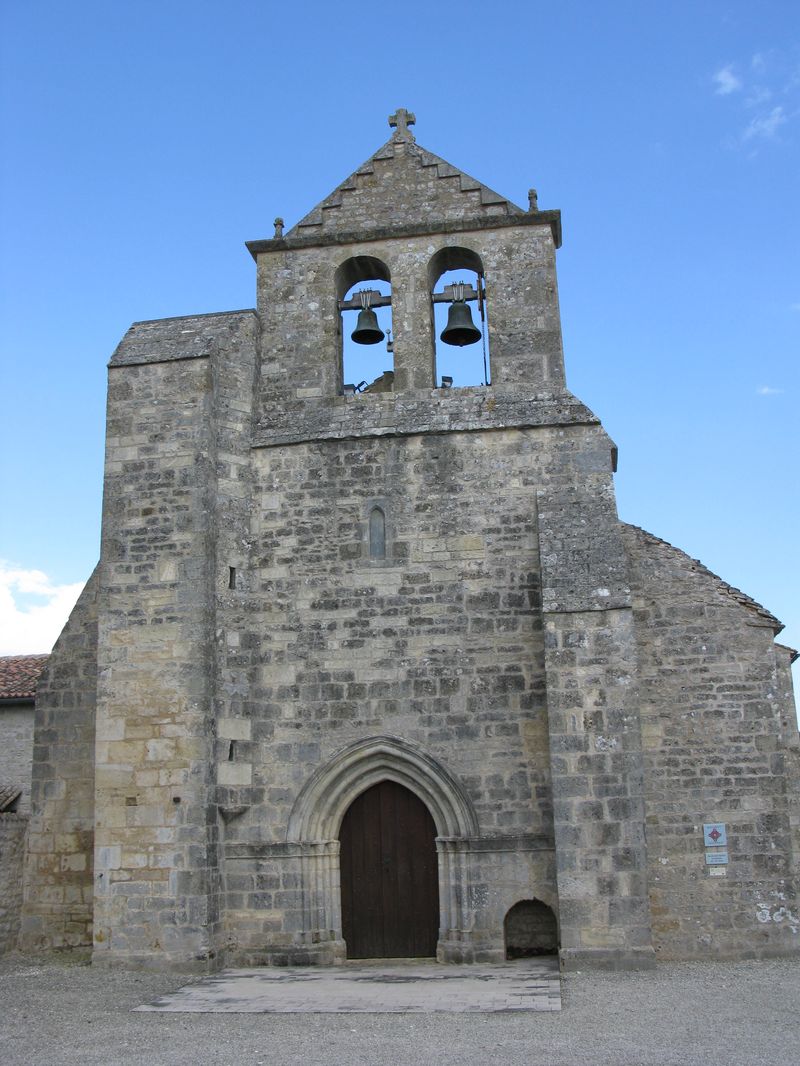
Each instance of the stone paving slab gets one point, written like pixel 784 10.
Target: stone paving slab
pixel 384 988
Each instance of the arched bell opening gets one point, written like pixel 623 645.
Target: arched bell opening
pixel 364 302
pixel 530 928
pixel 459 319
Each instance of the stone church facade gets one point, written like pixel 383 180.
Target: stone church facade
pixel 398 638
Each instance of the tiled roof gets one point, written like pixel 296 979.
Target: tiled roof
pixel 19 674
pixel 9 794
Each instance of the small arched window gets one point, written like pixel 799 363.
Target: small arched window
pixel 458 309
pixel 377 534
pixel 364 301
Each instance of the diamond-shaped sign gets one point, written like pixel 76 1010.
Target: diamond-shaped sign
pixel 714 834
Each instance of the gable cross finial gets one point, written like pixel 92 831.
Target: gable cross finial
pixel 400 121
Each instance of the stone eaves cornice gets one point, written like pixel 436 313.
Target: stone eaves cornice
pixel 551 219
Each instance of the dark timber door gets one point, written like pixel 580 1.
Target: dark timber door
pixel 389 875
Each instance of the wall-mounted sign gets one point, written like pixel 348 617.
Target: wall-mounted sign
pixel 714 834
pixel 716 858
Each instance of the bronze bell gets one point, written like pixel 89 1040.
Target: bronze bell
pixel 367 330
pixel 460 329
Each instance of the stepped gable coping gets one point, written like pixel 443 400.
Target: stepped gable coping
pixel 19 675
pixel 730 590
pixel 403 142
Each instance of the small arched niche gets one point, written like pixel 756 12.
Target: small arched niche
pixel 363 281
pixel 530 928
pixel 377 533
pixel 454 272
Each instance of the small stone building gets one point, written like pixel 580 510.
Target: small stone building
pixel 18 677
pixel 378 671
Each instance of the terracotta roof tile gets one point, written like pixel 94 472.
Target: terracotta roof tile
pixel 9 794
pixel 19 674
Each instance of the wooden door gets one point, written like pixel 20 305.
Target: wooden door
pixel 389 875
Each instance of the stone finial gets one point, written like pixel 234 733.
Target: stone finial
pixel 400 121
pixel 533 200
pixel 278 227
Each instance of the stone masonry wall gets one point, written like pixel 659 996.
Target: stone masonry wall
pixel 12 854
pixel 174 388
pixel 326 460
pixel 717 737
pixel 439 643
pixel 595 740
pixel 301 370
pixel 57 909
pixel 785 657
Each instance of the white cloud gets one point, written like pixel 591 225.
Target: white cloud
pixel 726 81
pixel 28 627
pixel 758 95
pixel 766 125
pixel 767 390
pixel 760 82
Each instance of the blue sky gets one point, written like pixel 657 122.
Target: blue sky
pixel 142 144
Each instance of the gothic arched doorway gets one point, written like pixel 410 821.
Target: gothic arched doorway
pixel 389 875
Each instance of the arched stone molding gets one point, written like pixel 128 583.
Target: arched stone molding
pixel 453 257
pixel 318 811
pixel 543 894
pixel 316 819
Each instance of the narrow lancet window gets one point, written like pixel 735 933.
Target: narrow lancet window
pixel 377 534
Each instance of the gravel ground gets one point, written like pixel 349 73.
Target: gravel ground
pixel 717 1014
